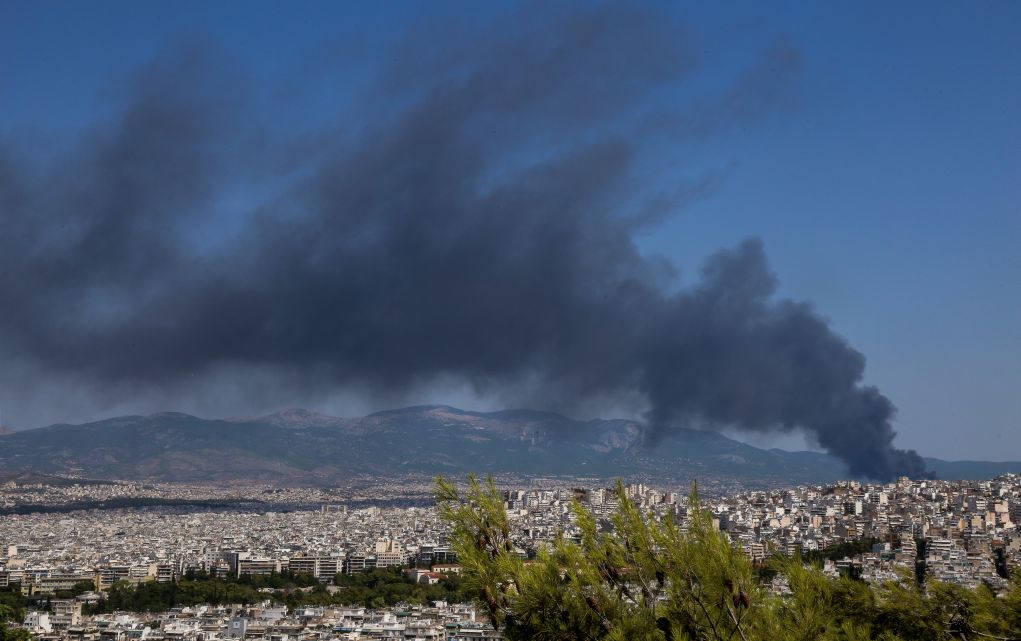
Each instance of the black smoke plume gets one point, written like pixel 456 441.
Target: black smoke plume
pixel 472 218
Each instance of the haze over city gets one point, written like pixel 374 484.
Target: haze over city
pixel 797 224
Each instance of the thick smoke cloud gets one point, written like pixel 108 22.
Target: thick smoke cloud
pixel 473 220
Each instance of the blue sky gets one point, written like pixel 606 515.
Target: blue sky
pixel 886 185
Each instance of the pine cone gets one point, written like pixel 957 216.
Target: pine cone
pixel 741 600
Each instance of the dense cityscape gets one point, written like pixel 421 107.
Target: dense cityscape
pixel 594 320
pixel 962 532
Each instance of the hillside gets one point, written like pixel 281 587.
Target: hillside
pixel 298 446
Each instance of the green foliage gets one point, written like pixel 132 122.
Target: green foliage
pixel 841 550
pixel 13 634
pixel 12 608
pixel 647 579
pixel 77 589
pixel 651 579
pixel 376 588
pixel 158 597
pixel 384 587
pixel 12 604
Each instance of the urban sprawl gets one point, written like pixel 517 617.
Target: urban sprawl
pixel 964 532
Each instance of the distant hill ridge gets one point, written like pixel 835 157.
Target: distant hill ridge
pixel 297 446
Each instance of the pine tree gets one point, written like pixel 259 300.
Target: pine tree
pixel 648 578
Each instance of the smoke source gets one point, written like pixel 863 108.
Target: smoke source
pixel 471 219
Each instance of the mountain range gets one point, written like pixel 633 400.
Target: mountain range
pixel 302 447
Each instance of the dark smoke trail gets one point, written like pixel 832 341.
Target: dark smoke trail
pixel 766 364
pixel 473 222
